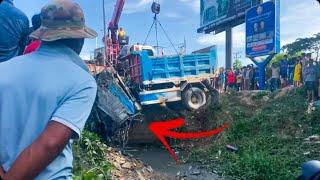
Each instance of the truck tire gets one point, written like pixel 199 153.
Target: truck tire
pixel 195 98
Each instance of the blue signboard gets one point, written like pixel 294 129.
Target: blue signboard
pixel 263 29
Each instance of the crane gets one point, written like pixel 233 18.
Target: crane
pixel 112 43
pixel 113 25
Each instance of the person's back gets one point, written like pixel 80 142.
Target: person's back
pixel 318 69
pixel 239 77
pixel 310 73
pixel 46 98
pixel 40 91
pixel 14 31
pixel 275 72
pixel 284 68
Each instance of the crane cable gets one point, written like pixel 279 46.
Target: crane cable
pixel 155 23
pixel 165 33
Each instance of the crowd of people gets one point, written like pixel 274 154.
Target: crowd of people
pixel 295 72
pixel 244 78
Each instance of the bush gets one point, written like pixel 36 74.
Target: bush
pixel 90 158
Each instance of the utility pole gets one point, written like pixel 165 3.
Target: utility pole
pixel 104 19
pixel 228 47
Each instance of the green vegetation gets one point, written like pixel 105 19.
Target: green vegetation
pixel 304 44
pixel 237 64
pixel 90 158
pixel 269 129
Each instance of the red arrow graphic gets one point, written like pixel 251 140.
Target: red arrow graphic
pixel 163 129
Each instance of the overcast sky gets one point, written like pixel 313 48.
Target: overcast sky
pixel 181 18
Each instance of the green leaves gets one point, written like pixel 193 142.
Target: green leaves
pixel 90 158
pixel 237 64
pixel 303 44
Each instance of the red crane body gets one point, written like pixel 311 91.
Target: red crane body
pixel 111 42
pixel 116 15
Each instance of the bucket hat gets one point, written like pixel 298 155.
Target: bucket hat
pixel 62 19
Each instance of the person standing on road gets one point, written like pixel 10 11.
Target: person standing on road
pixel 231 79
pixel 305 62
pixel 291 66
pixel 243 72
pixel 310 76
pixel 247 78
pixel 47 99
pixel 284 71
pixel 239 80
pixel 14 31
pixel 253 78
pixel 275 77
pixel 222 80
pixel 297 74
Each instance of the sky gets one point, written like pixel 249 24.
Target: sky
pixel 180 19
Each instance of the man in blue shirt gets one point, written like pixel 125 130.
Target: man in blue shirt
pixel 291 66
pixel 14 31
pixel 284 71
pixel 310 77
pixel 46 98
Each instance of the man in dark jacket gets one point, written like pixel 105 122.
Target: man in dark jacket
pixel 14 31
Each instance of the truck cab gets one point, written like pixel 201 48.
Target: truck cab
pixel 127 50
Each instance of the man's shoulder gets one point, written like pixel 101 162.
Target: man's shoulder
pixel 11 62
pixel 14 12
pixel 77 71
pixel 22 17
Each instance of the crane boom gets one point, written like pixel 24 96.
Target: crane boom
pixel 113 25
pixel 112 43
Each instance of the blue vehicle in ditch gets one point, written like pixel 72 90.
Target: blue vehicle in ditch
pixel 141 79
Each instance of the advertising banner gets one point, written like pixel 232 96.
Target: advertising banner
pixel 263 30
pixel 215 15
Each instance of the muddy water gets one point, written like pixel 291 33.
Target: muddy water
pixel 143 145
pixel 161 161
pixel 158 158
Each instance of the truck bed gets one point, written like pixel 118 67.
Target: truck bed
pixel 156 70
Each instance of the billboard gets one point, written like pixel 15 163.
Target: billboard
pixel 216 15
pixel 263 29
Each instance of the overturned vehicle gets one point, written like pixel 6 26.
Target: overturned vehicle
pixel 148 81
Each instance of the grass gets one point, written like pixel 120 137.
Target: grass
pixel 269 135
pixel 90 158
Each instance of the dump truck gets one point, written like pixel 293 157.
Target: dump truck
pixel 130 78
pixel 151 80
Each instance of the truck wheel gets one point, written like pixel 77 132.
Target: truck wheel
pixel 194 98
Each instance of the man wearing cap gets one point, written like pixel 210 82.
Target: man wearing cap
pixel 14 31
pixel 46 98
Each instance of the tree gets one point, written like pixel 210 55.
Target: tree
pixel 316 45
pixel 311 44
pixel 237 64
